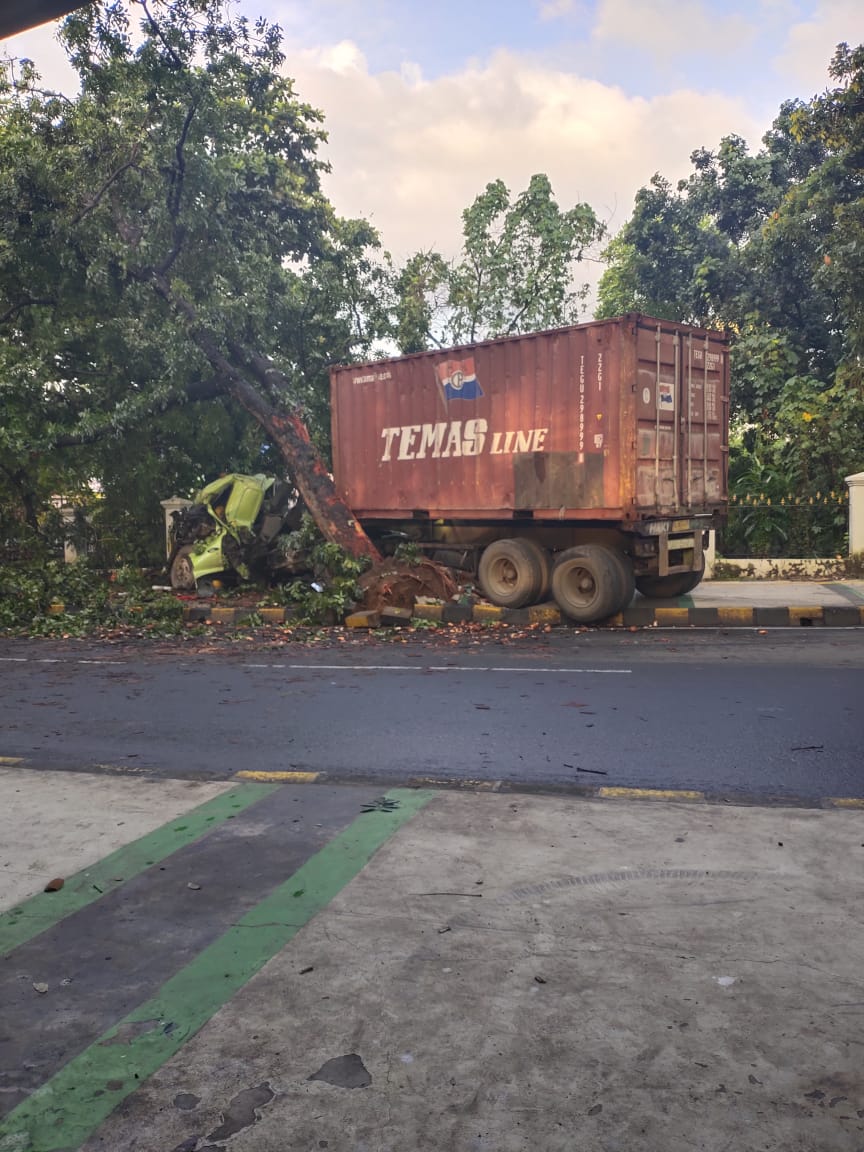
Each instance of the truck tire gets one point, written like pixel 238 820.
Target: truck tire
pixel 545 561
pixel 180 573
pixel 587 583
pixel 510 573
pixel 626 579
pixel 664 587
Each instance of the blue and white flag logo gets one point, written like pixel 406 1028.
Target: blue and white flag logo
pixel 458 378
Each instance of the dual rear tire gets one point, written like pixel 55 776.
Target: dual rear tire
pixel 591 582
pixel 588 582
pixel 514 573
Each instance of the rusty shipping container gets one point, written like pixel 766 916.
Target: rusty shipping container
pixel 618 424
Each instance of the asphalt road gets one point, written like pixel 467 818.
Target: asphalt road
pixel 779 714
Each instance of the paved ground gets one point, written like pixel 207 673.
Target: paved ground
pixel 57 824
pixel 743 714
pixel 777 593
pixel 466 971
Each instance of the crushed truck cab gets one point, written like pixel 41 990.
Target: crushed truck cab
pixel 229 529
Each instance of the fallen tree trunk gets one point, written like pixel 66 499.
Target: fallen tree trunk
pixel 283 424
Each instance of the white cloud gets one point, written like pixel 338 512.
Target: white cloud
pixel 554 9
pixel 670 28
pixel 42 47
pixel 410 154
pixel 810 44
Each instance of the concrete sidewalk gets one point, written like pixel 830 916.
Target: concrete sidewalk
pixel 516 973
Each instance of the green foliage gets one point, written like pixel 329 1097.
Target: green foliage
pixel 186 167
pixel 58 599
pixel 770 245
pixel 516 271
pixel 337 591
pixel 332 590
pixel 407 552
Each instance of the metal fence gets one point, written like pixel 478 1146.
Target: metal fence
pixel 791 527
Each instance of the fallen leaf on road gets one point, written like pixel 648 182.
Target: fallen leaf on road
pixel 40 988
pixel 194 887
pixel 54 885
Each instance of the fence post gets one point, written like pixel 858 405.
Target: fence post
pixel 711 554
pixel 856 513
pixel 70 552
pixel 169 506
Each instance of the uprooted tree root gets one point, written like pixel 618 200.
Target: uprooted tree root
pixel 397 584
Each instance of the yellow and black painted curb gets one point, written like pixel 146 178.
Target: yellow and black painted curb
pixel 573 788
pixel 585 791
pixel 642 613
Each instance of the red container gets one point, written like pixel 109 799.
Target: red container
pixel 617 420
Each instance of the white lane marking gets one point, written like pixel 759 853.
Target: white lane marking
pixel 366 667
pixel 439 668
pixel 53 660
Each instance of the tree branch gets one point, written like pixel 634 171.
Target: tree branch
pixel 175 193
pixel 88 208
pixel 197 392
pixel 32 302
pixel 157 31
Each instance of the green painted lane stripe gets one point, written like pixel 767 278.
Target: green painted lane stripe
pixel 69 1107
pixel 27 920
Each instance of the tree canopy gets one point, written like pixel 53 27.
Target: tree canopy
pixel 166 244
pixel 515 272
pixel 770 245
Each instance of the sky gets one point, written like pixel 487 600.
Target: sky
pixel 425 103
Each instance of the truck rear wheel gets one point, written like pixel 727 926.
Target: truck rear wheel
pixel 662 587
pixel 511 573
pixel 626 579
pixel 587 583
pixel 544 560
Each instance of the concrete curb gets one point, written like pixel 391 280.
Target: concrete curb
pixel 578 789
pixel 641 614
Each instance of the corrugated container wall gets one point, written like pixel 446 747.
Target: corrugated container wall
pixel 622 419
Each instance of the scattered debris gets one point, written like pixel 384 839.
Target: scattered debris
pixel 54 885
pixel 194 887
pixel 40 988
pixel 477 894
pixel 382 804
pixel 540 980
pixel 347 1071
pixel 593 771
pixel 306 971
pixel 808 748
pixel 446 928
